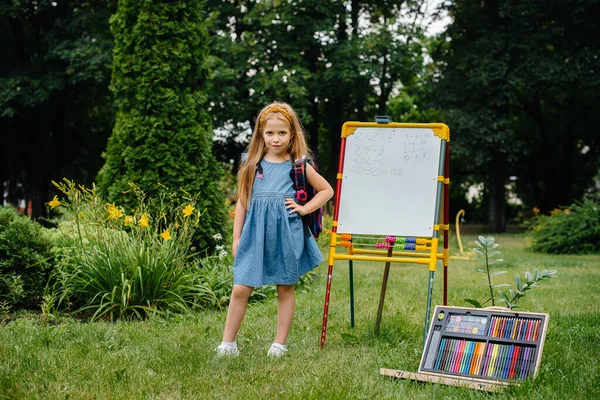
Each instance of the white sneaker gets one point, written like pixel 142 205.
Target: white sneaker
pixel 227 350
pixel 277 350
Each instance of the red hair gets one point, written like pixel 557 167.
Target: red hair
pixel 257 148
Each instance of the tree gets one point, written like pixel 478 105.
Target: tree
pixel 333 61
pixel 55 107
pixel 162 133
pixel 509 71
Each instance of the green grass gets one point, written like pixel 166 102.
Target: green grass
pixel 174 358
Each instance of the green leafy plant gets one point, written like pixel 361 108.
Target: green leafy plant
pixel 24 259
pixel 512 296
pixel 4 310
pixel 118 265
pixel 48 308
pixel 162 130
pixel 573 230
pixel 486 253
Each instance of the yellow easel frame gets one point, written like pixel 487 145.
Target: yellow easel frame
pixel 443 132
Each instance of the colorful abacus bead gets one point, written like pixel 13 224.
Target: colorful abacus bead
pixel 421 241
pixel 390 239
pixel 382 245
pixel 346 236
pixel 411 240
pixel 345 243
pixel 404 246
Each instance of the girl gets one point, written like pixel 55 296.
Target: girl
pixel 269 244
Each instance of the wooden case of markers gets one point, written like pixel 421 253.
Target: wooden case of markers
pixel 480 348
pixel 491 345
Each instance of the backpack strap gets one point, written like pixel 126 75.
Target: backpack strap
pixel 298 175
pixel 304 192
pixel 259 168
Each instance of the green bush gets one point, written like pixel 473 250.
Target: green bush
pixel 573 230
pixel 24 259
pixel 162 131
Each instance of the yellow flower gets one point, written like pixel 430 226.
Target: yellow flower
pixel 54 202
pixel 555 212
pixel 143 222
pixel 567 212
pixel 187 211
pixel 129 221
pixel 536 210
pixel 166 235
pixel 113 212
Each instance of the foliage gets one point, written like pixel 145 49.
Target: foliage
pixel 24 259
pixel 512 296
pixel 56 111
pixel 162 132
pixel 572 230
pixel 516 80
pixel 308 53
pixel 126 265
pixel 486 253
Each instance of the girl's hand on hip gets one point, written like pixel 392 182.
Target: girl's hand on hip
pixel 294 207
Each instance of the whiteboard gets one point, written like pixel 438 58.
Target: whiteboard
pixel 389 184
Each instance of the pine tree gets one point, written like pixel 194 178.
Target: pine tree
pixel 162 131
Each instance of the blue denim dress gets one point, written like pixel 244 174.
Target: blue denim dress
pixel 273 248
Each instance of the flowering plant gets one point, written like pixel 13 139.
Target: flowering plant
pixel 125 263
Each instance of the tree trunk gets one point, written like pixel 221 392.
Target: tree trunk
pixel 497 196
pixel 355 9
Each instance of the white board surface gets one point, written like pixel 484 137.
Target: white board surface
pixel 389 184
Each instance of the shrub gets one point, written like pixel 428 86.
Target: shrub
pixel 573 230
pixel 116 265
pixel 162 131
pixel 24 259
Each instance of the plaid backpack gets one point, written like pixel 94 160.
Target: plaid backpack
pixel 313 222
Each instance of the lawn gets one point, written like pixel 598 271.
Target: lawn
pixel 174 357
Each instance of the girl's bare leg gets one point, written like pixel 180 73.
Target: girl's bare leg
pixel 237 309
pixel 285 311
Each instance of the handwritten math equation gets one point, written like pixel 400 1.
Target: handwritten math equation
pixel 386 154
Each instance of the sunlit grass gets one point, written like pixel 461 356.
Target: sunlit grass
pixel 174 358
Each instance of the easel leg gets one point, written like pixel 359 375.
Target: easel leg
pixel 445 285
pixel 446 219
pixel 351 274
pixel 386 273
pixel 326 307
pixel 427 313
